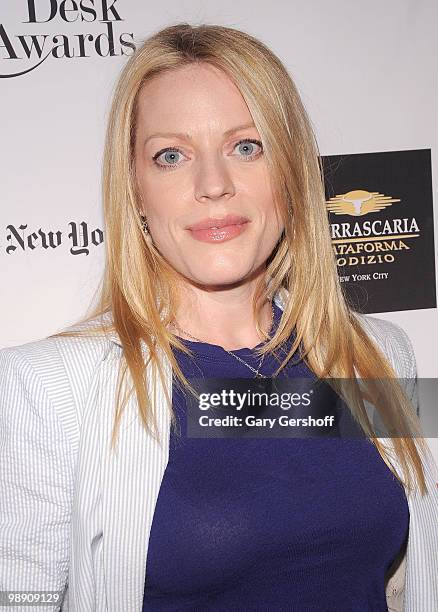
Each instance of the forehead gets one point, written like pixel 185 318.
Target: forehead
pixel 192 98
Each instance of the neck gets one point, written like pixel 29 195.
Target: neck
pixel 224 318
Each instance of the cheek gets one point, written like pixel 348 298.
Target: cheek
pixel 167 216
pixel 272 235
pixel 161 204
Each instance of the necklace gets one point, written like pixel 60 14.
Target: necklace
pixel 257 374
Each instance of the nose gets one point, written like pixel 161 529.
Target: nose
pixel 213 179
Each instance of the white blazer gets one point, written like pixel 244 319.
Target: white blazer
pixel 75 518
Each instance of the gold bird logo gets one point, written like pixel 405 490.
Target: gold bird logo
pixel 359 202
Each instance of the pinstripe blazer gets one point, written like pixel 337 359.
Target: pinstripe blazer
pixel 77 519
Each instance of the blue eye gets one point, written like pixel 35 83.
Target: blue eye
pixel 169 155
pixel 248 143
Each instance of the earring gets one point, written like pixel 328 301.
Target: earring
pixel 144 224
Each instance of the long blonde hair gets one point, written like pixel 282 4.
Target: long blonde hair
pixel 139 286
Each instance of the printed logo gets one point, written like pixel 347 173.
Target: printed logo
pixel 80 238
pixel 81 23
pixel 371 241
pixel 359 202
pixel 381 224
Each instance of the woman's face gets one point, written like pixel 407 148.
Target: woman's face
pixel 203 172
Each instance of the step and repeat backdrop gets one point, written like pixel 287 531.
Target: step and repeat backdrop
pixel 366 73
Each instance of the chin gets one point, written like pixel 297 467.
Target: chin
pixel 220 277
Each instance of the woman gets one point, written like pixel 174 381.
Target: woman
pixel 219 264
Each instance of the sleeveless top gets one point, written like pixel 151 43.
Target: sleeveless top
pixel 300 524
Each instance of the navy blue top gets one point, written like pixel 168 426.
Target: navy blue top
pixel 300 524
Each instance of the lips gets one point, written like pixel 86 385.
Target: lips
pixel 211 222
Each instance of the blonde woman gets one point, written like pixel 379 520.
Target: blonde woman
pixel 219 260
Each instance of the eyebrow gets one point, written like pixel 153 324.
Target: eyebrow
pixel 185 136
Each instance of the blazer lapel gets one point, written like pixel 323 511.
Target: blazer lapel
pixel 130 481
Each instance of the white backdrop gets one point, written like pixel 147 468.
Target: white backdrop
pixel 366 73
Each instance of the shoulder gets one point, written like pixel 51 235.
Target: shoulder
pixel 51 377
pixel 393 341
pixel 57 355
pixel 389 337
